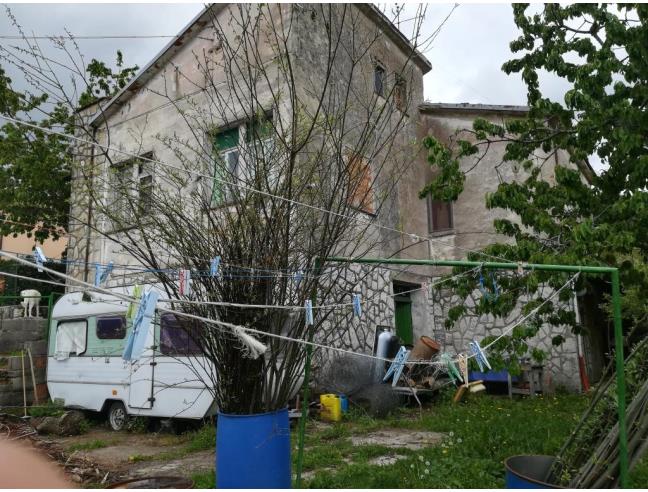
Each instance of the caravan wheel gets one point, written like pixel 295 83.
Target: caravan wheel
pixel 117 416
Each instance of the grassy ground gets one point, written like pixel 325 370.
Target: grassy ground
pixel 480 434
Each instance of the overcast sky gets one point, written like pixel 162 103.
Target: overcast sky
pixel 466 56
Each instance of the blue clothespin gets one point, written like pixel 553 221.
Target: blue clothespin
pixel 489 296
pixel 480 356
pixel 357 306
pixel 298 276
pixel 141 324
pixel 98 273
pixel 453 372
pixel 39 257
pixel 105 272
pixel 213 269
pixel 396 367
pixel 309 312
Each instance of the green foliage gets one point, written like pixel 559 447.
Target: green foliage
pixel 601 220
pixel 88 446
pixel 204 480
pixel 47 409
pixel 13 285
pixel 203 438
pixel 35 166
pixel 103 81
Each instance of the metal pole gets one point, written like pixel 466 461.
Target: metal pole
pixel 616 309
pixel 304 405
pixel 620 372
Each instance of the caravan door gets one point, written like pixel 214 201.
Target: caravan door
pixel 142 376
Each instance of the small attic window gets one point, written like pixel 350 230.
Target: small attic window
pixel 379 79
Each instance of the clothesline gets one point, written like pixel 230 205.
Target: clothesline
pixel 235 328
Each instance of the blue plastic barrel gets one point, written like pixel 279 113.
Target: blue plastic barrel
pixel 528 472
pixel 253 451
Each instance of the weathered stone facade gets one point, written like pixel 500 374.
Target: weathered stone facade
pixel 137 120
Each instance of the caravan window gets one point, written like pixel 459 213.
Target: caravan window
pixel 111 328
pixel 71 337
pixel 175 336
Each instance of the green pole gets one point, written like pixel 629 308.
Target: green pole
pixel 307 368
pixel 50 302
pixel 620 371
pixel 616 307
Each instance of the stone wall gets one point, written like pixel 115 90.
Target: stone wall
pixel 17 335
pixel 561 364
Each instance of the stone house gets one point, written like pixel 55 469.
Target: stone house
pixel 434 230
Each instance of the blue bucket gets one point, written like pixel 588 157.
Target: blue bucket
pixel 528 472
pixel 253 451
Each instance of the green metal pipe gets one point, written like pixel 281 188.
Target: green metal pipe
pixel 472 264
pixel 304 406
pixel 620 372
pixel 616 308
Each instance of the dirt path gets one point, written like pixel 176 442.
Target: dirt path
pixel 102 456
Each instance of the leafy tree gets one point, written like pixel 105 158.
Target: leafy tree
pixel 601 51
pixel 35 165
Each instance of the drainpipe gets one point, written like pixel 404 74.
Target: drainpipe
pixel 86 267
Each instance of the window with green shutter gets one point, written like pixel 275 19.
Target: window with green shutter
pixel 226 164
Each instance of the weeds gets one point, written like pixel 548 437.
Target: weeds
pixel 88 446
pixel 47 409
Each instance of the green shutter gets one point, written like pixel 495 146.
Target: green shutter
pixel 226 140
pixel 222 141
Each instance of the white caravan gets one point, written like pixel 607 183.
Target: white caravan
pixel 85 369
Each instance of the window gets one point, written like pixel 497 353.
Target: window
pixel 235 158
pixel 379 79
pixel 111 328
pixel 439 215
pixel 227 165
pixel 360 193
pixel 145 189
pixel 121 182
pixel 400 93
pixel 71 338
pixel 131 190
pixel 178 337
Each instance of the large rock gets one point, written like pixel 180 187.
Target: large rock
pixel 72 423
pixel 49 425
pixel 69 424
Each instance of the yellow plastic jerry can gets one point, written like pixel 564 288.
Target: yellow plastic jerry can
pixel 331 408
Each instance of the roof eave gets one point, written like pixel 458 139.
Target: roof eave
pixel 395 35
pixel 157 62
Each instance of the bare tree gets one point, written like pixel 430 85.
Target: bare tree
pixel 279 145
